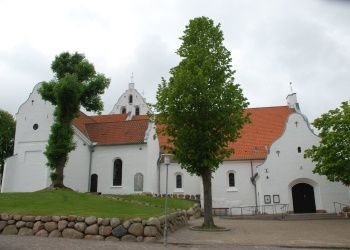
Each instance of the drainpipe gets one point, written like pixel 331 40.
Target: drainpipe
pixel 158 170
pixel 91 149
pixel 253 180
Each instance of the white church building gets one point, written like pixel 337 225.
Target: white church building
pixel 121 153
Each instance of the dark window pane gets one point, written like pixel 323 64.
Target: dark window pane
pixel 178 181
pixel 117 173
pixel 231 179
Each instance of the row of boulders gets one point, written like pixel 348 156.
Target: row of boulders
pixel 94 228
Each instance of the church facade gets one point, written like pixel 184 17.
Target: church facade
pixel 121 153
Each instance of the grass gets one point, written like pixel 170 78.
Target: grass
pixel 64 202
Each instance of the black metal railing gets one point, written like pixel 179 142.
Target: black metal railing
pixel 273 209
pixel 338 207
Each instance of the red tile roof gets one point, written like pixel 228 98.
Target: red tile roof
pixel 267 124
pixel 112 133
pixel 112 129
pixel 109 118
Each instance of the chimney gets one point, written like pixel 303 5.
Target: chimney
pixel 293 102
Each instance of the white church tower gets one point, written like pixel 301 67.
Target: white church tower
pixel 131 102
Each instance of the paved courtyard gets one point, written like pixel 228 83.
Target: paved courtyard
pixel 244 234
pixel 303 233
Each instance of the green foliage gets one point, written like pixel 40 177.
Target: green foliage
pixel 76 84
pixel 200 104
pixel 332 155
pixel 7 137
pixel 63 202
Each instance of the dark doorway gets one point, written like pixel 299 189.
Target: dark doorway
pixel 93 183
pixel 303 198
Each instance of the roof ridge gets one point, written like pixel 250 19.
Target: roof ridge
pixel 281 106
pixel 115 121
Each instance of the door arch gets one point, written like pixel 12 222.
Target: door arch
pixel 303 198
pixel 93 183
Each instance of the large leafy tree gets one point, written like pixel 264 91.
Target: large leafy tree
pixel 332 155
pixel 7 137
pixel 201 106
pixel 75 84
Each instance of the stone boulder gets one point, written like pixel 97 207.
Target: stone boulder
pixel 56 218
pixel 10 230
pixel 150 231
pixel 136 229
pixel 105 230
pixel 112 238
pixel 17 217
pixel 105 222
pixel 114 222
pixel 90 220
pixel 38 226
pixel 129 237
pixel 126 224
pixel 25 231
pixel 62 224
pixel 28 218
pixel 2 225
pixel 119 231
pixel 20 224
pixel 46 218
pixel 55 234
pixel 92 229
pixel 50 226
pixel 42 233
pixel 154 222
pixel 72 233
pixel 72 218
pixel 80 226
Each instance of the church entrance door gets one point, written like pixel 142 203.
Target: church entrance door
pixel 303 198
pixel 93 183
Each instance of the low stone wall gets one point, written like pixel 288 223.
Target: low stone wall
pixel 78 227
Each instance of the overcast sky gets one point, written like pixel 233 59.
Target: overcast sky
pixel 272 43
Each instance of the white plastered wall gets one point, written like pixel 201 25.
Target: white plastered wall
pixel 243 193
pixel 27 171
pixel 134 160
pixel 285 167
pixel 191 184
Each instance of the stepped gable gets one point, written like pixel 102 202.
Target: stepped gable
pixel 267 124
pixel 112 129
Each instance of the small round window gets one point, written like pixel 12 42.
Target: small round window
pixel 35 126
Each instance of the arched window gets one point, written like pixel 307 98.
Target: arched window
pixel 138 182
pixel 130 98
pixel 299 149
pixel 178 181
pixel 123 110
pixel 117 172
pixel 231 179
pixel 137 110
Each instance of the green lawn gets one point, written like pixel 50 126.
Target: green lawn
pixel 63 202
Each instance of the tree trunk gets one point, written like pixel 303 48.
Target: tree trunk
pixel 208 212
pixel 58 180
